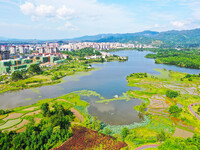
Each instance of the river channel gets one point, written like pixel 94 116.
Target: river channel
pixel 108 81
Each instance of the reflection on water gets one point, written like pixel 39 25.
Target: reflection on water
pixel 118 112
pixel 108 81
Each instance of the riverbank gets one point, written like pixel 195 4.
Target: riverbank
pixel 54 74
pixel 188 58
pixel 151 131
pixel 49 76
pixel 24 118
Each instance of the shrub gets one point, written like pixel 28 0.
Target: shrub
pixel 34 68
pixel 171 94
pixel 124 132
pixel 175 111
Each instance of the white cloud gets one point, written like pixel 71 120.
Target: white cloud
pixel 42 10
pixel 27 8
pixel 90 14
pixel 45 10
pixel 178 24
pixel 64 12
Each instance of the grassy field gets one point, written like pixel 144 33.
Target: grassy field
pixel 154 89
pixel 153 92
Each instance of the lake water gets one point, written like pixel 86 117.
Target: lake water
pixel 108 81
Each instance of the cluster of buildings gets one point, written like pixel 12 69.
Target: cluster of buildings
pixel 54 48
pixel 16 57
pixel 100 46
pixel 10 65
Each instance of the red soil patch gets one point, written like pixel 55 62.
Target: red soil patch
pixel 84 138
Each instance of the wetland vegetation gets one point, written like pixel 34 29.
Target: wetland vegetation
pixel 166 118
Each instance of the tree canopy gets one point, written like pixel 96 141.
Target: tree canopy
pixel 171 94
pixel 51 130
pixel 34 68
pixel 175 111
pixel 16 75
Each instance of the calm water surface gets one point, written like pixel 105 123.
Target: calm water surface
pixel 108 81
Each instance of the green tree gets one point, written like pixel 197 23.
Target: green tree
pixel 171 94
pixel 96 124
pixel 2 112
pixel 107 131
pixel 175 111
pixel 141 108
pixel 45 109
pixel 3 78
pixel 161 136
pixel 198 109
pixel 124 132
pixel 16 75
pixel 59 109
pixel 34 68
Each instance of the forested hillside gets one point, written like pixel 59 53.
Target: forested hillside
pixel 183 58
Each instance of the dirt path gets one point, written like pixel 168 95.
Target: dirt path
pixel 77 114
pixel 147 146
pixel 192 111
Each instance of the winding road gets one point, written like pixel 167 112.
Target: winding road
pixel 147 146
pixel 192 111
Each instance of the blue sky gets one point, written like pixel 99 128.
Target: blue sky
pixel 57 19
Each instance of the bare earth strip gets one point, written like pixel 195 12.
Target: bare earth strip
pixel 77 114
pixel 33 113
pixel 182 133
pixel 13 116
pixel 30 109
pixel 23 123
pixel 37 120
pixel 21 130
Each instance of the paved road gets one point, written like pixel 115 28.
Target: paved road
pixel 147 146
pixel 192 111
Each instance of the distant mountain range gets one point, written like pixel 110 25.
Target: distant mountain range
pixel 189 38
pixel 184 38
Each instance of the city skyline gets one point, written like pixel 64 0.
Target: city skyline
pixel 48 19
